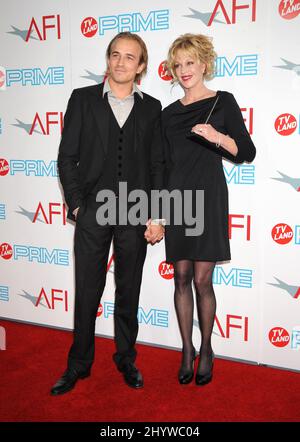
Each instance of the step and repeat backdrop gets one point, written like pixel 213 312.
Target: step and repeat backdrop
pixel 48 49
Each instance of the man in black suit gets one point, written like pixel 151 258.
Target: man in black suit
pixel 111 135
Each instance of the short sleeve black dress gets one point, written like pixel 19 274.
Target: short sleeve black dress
pixel 196 165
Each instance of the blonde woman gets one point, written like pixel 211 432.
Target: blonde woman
pixel 195 163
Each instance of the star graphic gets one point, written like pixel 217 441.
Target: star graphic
pixel 291 289
pixel 290 66
pixel 21 33
pixel 93 77
pixel 294 182
pixel 25 126
pixel 31 298
pixel 29 215
pixel 203 16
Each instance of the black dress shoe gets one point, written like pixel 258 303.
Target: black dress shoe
pixel 132 376
pixel 205 378
pixel 185 375
pixel 68 381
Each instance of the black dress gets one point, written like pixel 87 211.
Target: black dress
pixel 197 165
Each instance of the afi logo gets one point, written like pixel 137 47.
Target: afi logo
pixel 279 337
pixel 289 9
pixel 89 27
pixel 6 251
pixel 54 296
pixel 234 322
pixel 163 72
pixel 282 233
pixel 48 22
pixel 4 167
pixel 285 124
pixel 249 118
pixel 51 118
pixel 166 270
pixel 111 264
pixel 244 224
pixel 229 14
pixel 49 211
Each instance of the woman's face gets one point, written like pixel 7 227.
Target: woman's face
pixel 188 69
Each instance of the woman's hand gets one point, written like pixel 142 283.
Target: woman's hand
pixel 207 132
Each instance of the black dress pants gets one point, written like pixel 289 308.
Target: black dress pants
pixel 91 245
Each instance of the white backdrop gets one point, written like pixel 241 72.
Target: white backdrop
pixel 47 49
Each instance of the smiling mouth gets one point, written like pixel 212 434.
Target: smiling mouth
pixel 188 77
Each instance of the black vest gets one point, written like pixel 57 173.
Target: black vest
pixel 119 164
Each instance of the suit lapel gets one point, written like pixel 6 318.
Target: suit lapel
pixel 101 113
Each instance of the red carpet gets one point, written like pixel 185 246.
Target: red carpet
pixel 36 356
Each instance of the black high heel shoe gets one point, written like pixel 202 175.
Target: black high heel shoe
pixel 185 376
pixel 203 379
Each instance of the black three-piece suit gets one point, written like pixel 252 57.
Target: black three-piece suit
pixel 95 154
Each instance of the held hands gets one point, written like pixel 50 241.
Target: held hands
pixel 154 232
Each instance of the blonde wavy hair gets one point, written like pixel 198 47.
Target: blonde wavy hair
pixel 198 46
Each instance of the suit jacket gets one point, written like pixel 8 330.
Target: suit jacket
pixel 84 144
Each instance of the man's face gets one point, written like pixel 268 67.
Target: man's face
pixel 124 61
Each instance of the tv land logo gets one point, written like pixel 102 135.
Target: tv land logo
pixel 166 270
pixel 292 290
pixel 229 10
pixel 283 234
pixel 163 72
pixel 42 124
pixel 36 76
pixel 289 9
pixel 294 182
pixel 28 167
pixel 20 252
pixel 285 124
pixel 156 20
pixel 280 337
pixel 99 311
pixel 46 213
pixel 289 66
pixel 39 28
pixel 89 27
pixel 2 79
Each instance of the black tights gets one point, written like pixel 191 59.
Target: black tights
pixel 186 271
